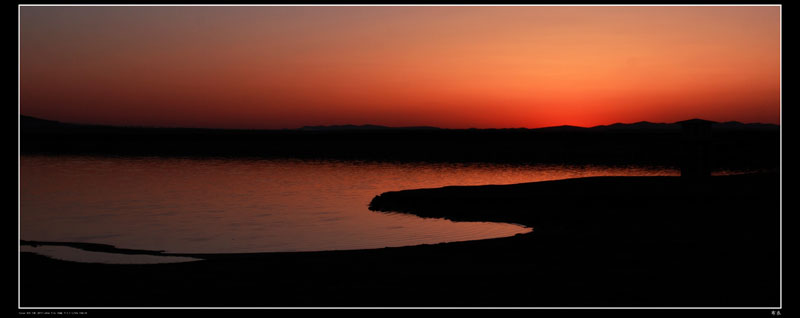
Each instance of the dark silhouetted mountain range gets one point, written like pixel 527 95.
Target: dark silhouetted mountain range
pixel 29 122
pixel 735 145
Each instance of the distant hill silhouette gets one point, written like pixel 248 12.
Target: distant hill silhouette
pixel 642 125
pixel 645 125
pixel 33 122
pixel 735 145
pixel 30 122
pixel 639 125
pixel 363 127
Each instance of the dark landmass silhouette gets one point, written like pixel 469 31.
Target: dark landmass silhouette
pixel 607 241
pixel 364 127
pixel 30 122
pixel 736 145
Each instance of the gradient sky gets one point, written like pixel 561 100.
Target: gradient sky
pixel 451 66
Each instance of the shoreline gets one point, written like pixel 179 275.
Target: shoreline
pixel 723 251
pixel 111 249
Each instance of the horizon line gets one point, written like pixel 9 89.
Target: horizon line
pixel 393 127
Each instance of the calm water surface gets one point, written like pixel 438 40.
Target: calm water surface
pixel 237 205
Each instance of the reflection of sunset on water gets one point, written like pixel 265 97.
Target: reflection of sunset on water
pixel 226 206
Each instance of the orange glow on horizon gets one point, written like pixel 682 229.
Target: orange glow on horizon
pixel 451 66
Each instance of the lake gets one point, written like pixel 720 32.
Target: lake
pixel 181 205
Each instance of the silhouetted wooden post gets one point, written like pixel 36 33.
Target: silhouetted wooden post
pixel 696 140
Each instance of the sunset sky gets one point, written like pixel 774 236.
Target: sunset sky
pixel 447 66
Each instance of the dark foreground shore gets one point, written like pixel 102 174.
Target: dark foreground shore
pixel 599 242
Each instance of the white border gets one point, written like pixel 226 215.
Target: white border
pixel 399 5
pixel 780 165
pixel 780 153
